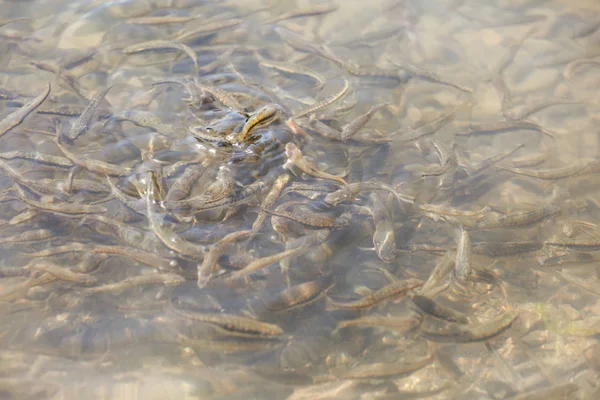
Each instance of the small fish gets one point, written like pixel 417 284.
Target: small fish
pixel 265 116
pixel 136 204
pixel 577 168
pixel 205 29
pixel 456 333
pixel 68 185
pixel 308 188
pixel 323 129
pixel 386 370
pixel 463 266
pixel 393 290
pixel 181 188
pixel 146 119
pixel 82 123
pixel 521 218
pixel 297 296
pixel 502 126
pixel 29 236
pixel 280 224
pixel 223 97
pixel 63 273
pixel 529 110
pixel 33 185
pixel 270 199
pixel 245 195
pixel 432 307
pixel 16 118
pixel 65 79
pixel 319 9
pixel 195 94
pixel 384 238
pixel 234 323
pixel 12 272
pixel 65 208
pixel 349 192
pixel 356 124
pixel 144 257
pixel 429 76
pixel 376 73
pixel 167 279
pixel 447 160
pixel 292 69
pixel 66 110
pixel 204 134
pixel 426 129
pixel 221 187
pixel 369 37
pixel 562 391
pixel 97 166
pixel 77 185
pixel 440 273
pixel 452 212
pixel 296 158
pixel 162 20
pixel 264 262
pixel 325 102
pixel 416 394
pixel 41 158
pixel 576 257
pixel 207 268
pixel 530 161
pixel 296 40
pixel 309 219
pixel 68 248
pixel 130 235
pixel 500 249
pixel 574 244
pixel 398 324
pixel 19 290
pixel 168 237
pixel 164 44
pixel 481 166
pixel 295 248
pixel 23 217
pixel 12 20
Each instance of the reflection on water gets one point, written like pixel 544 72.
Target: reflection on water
pixel 297 199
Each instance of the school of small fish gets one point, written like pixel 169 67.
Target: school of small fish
pixel 285 200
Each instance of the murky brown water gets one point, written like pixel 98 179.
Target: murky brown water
pixel 299 200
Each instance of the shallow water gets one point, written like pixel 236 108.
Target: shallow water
pixel 480 153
